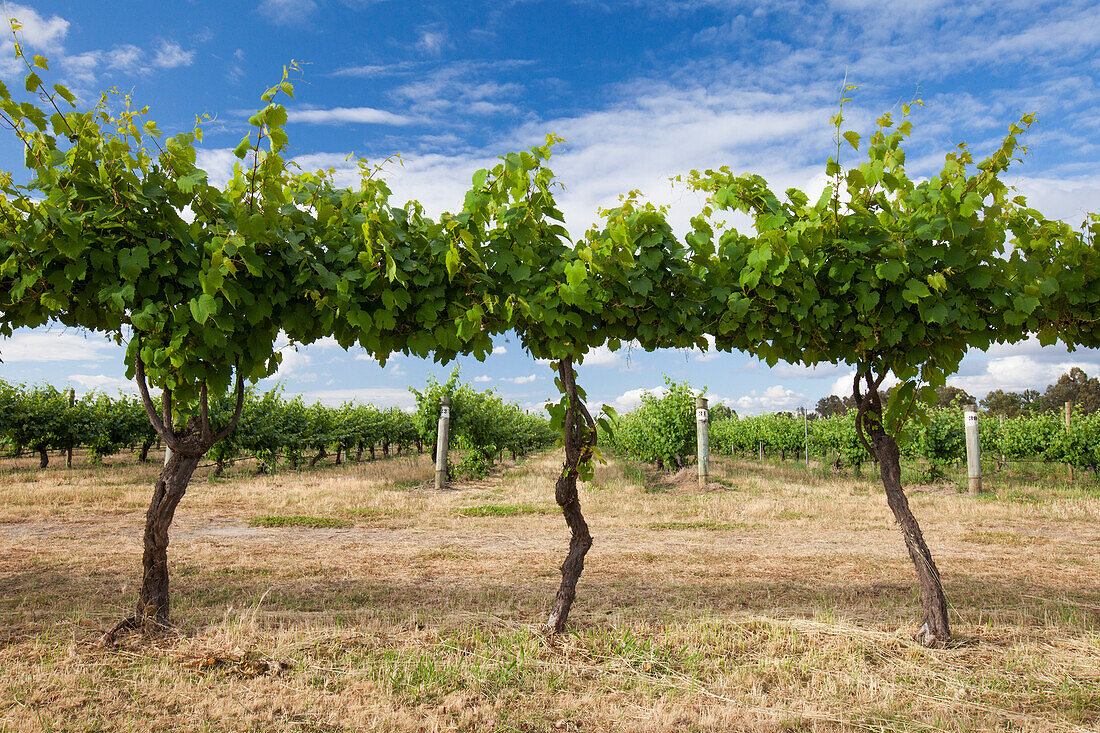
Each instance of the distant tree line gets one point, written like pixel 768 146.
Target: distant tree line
pixel 1074 386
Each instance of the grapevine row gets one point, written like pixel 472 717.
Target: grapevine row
pixel 273 430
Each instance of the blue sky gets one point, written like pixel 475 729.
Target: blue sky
pixel 641 90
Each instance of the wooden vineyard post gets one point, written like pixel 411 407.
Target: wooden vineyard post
pixel 973 450
pixel 806 434
pixel 760 447
pixel 702 440
pixel 69 452
pixel 1001 423
pixel 442 439
pixel 1069 412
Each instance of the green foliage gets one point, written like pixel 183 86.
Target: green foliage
pixel 481 423
pixel 885 273
pixel 662 429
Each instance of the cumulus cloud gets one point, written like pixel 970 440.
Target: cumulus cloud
pixel 498 350
pixel 287 12
pixel 520 380
pixel 483 378
pixel 842 387
pixel 602 356
pixel 293 363
pixel 819 371
pixel 46 346
pixel 346 115
pixel 1019 372
pixel 39 31
pixel 378 396
pixel 776 398
pixel 102 383
pixel 170 56
pixel 432 41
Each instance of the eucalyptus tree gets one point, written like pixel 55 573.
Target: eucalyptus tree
pixel 890 275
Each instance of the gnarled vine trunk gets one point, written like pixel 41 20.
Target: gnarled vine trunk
pixel 153 601
pixel 43 458
pixel 579 439
pixel 188 446
pixel 935 630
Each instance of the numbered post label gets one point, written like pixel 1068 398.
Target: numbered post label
pixel 701 414
pixel 971 418
pixel 445 412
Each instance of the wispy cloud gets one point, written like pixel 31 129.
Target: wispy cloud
pixel 374 71
pixel 102 383
pixel 775 398
pixel 287 12
pixel 47 346
pixel 39 31
pixel 171 55
pixel 432 40
pixel 346 115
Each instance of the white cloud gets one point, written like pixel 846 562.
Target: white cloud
pixel 371 71
pixel 287 12
pixel 498 350
pixel 842 387
pixel 102 383
pixel 698 354
pixel 378 396
pixel 41 346
pixel 38 31
pixel 126 57
pixel 776 398
pixel 1061 198
pixel 170 56
pixel 236 69
pixel 630 399
pixel 341 115
pixel 431 41
pixel 602 356
pixel 520 380
pixel 818 371
pixel 1017 373
pixel 483 378
pixel 293 362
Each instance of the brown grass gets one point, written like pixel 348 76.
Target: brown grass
pixel 776 599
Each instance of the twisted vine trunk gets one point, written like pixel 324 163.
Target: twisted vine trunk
pixel 43 458
pixel 935 630
pixel 153 603
pixel 580 437
pixel 188 447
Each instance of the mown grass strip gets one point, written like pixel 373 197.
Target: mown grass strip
pixel 300 521
pixel 501 510
pixel 710 526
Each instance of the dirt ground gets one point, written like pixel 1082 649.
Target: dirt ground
pixel 358 598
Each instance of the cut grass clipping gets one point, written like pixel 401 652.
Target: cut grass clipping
pixel 300 521
pixel 712 526
pixel 501 510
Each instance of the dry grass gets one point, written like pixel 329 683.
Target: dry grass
pixel 776 599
